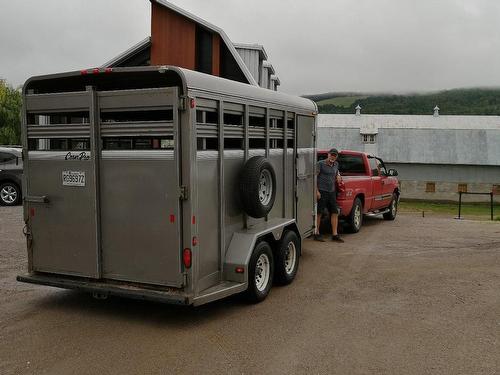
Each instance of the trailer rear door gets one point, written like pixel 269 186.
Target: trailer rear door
pixel 139 181
pixel 103 183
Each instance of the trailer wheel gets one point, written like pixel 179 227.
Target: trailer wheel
pixel 10 194
pixel 355 218
pixel 286 258
pixel 257 187
pixel 393 208
pixel 260 273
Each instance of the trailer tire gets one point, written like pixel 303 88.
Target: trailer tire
pixel 355 218
pixel 393 208
pixel 257 187
pixel 260 272
pixel 286 258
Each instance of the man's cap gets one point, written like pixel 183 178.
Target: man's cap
pixel 333 151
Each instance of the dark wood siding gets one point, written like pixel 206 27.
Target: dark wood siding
pixel 173 38
pixel 216 55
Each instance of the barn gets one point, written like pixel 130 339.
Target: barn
pixel 436 156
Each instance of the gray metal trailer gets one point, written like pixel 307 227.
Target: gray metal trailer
pixel 164 183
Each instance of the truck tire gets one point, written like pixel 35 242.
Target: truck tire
pixel 260 272
pixel 355 218
pixel 257 187
pixel 286 258
pixel 393 208
pixel 10 194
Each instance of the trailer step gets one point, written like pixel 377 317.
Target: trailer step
pixel 222 290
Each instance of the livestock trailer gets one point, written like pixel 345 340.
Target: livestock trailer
pixel 164 183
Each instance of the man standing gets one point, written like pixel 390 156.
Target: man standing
pixel 328 175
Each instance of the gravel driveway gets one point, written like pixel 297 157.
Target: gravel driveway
pixel 413 296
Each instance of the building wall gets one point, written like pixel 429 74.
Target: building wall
pixel 463 146
pixel 445 151
pixel 414 179
pixel 252 61
pixel 173 38
pixel 340 138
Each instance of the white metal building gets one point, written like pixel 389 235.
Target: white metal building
pixel 436 156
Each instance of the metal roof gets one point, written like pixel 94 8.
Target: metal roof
pixel 276 79
pixel 409 121
pixel 256 47
pixel 191 81
pixel 214 29
pixel 268 66
pixel 142 45
pixel 209 83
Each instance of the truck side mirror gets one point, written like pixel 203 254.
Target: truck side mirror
pixel 392 172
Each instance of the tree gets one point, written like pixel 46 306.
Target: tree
pixel 10 114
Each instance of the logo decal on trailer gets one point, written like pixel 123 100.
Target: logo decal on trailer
pixel 79 156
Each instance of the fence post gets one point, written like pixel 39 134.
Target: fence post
pixel 491 203
pixel 459 204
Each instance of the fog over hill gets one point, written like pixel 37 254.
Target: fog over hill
pixel 468 101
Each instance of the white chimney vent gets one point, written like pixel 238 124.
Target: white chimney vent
pixel 436 111
pixel 358 110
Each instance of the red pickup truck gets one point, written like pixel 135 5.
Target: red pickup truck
pixel 368 188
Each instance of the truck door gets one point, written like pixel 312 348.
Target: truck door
pixel 306 197
pixel 377 192
pixel 140 186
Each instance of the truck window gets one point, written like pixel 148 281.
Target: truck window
pixel 374 166
pixel 351 164
pixel 381 168
pixel 6 157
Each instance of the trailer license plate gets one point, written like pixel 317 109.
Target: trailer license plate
pixel 73 178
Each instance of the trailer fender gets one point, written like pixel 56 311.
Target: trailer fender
pixel 242 244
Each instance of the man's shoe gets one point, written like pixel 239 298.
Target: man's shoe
pixel 337 238
pixel 317 237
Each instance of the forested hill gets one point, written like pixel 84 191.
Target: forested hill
pixel 477 101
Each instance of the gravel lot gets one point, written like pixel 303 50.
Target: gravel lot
pixel 414 296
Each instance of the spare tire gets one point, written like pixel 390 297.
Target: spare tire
pixel 257 187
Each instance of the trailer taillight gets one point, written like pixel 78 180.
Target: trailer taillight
pixel 187 258
pixel 195 241
pixel 192 103
pixel 83 72
pixel 108 70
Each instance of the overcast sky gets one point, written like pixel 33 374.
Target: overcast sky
pixel 315 46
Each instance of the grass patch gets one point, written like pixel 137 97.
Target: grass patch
pixel 341 101
pixel 469 210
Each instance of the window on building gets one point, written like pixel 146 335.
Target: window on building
pixel 462 188
pixel 430 187
pixel 368 138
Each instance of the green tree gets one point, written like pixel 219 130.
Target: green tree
pixel 10 114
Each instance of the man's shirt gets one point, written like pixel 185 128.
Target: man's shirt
pixel 327 175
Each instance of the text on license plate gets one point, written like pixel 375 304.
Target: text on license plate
pixel 73 178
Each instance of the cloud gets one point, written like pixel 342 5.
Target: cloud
pixel 315 46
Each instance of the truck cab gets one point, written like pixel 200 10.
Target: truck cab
pixel 368 187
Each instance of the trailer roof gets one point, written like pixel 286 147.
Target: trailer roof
pixel 189 80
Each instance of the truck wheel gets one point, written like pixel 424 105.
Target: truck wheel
pixel 393 208
pixel 355 219
pixel 260 273
pixel 257 187
pixel 286 258
pixel 10 194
